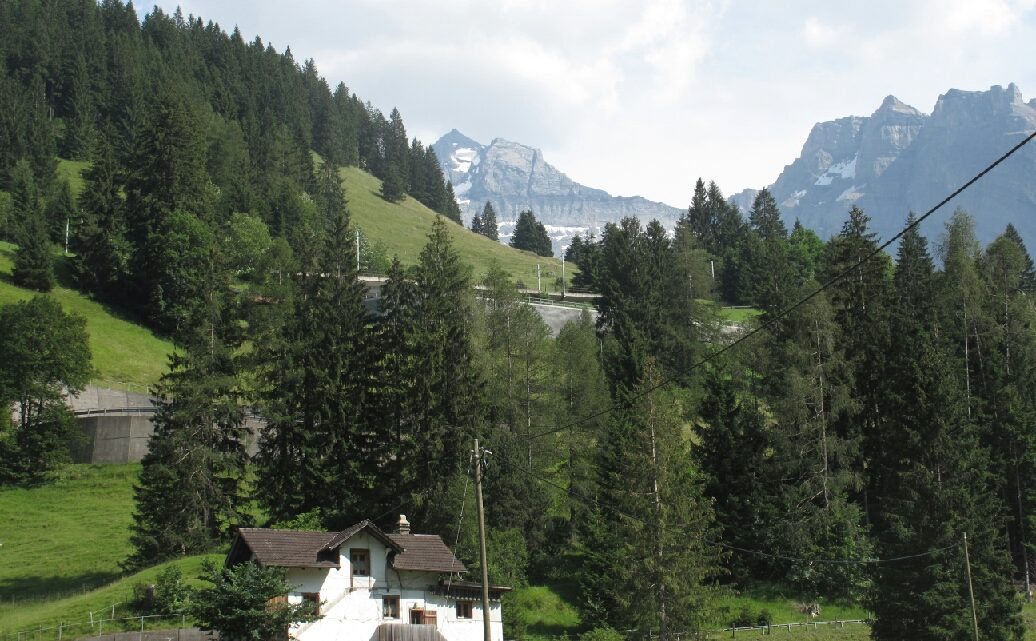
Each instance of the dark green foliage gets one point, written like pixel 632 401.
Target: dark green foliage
pixel 190 488
pixel 237 605
pixel 33 261
pixel 646 306
pixel 59 211
pixel 393 189
pixel 315 369
pixel 931 483
pixel 486 223
pixel 45 353
pixel 648 560
pixel 531 235
pixel 102 252
pixel 451 209
pixel 765 217
pixel 734 457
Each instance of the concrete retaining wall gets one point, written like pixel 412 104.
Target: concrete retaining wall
pixel 112 438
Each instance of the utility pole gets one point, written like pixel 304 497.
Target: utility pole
pixel 562 277
pixel 66 235
pixel 479 455
pixel 971 591
pixel 539 288
pixel 357 251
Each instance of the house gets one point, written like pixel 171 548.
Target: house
pixel 373 586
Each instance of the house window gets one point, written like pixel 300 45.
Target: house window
pixel 314 599
pixel 390 607
pixel 464 609
pixel 360 559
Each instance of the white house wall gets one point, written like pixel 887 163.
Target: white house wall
pixel 351 610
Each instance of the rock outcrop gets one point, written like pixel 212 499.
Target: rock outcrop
pixel 899 160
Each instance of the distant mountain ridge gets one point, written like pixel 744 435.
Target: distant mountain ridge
pixel 898 160
pixel 515 177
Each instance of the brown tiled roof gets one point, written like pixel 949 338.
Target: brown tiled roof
pixel 424 552
pixel 353 530
pixel 308 549
pixel 286 548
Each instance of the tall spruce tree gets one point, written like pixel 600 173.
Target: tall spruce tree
pixel 317 380
pixel 489 227
pixel 33 261
pixel 931 484
pixel 190 487
pixel 648 559
pixel 102 252
pixel 531 235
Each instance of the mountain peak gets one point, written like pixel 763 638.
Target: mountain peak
pixel 894 104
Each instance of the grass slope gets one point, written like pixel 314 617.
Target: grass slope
pixel 75 610
pixel 125 355
pixel 403 228
pixel 67 535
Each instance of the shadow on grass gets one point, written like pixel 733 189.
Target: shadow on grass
pixel 34 588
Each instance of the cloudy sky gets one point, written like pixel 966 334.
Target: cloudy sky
pixel 643 96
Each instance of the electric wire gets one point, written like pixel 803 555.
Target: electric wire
pixel 777 317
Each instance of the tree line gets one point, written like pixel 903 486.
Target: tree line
pixel 878 420
pixel 184 126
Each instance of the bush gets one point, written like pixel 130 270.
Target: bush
pixel 172 595
pixel 601 634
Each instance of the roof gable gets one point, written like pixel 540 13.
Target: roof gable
pixel 310 549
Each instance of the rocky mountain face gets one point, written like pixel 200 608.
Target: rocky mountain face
pixel 515 177
pixel 899 160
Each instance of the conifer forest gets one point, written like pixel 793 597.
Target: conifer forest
pixel 656 453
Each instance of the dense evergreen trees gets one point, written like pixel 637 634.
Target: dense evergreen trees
pixel 884 417
pixel 485 223
pixel 531 235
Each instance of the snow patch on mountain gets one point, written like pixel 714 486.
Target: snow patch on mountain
pixel 844 169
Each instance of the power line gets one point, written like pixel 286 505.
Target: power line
pixel 873 561
pixel 777 317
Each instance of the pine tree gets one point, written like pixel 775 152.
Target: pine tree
pixel 317 380
pixel 190 488
pixel 476 224
pixel 446 390
pixel 33 262
pixel 102 253
pixel 733 454
pixel 451 209
pixel 649 559
pixel 393 189
pixel 59 212
pixel 931 484
pixel 489 227
pixel 765 217
pixel 531 235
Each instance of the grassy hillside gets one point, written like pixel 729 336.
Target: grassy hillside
pixel 67 535
pixel 125 355
pixel 403 228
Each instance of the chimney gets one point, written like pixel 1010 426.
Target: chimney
pixel 404 525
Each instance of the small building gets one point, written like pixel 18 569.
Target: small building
pixel 373 586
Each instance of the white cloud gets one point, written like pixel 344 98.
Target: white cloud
pixel 819 35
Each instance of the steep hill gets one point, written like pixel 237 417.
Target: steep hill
pixel 403 229
pixel 515 177
pixel 126 355
pixel 898 160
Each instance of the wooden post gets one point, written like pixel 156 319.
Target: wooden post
pixel 487 626
pixel 971 592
